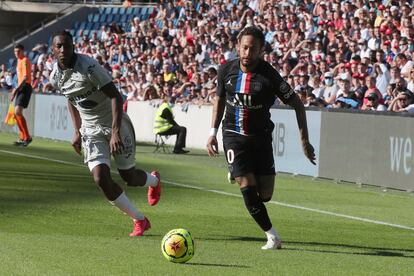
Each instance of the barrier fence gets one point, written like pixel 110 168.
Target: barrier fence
pixel 374 149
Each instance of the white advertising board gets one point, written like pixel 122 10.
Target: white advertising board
pixel 52 118
pixel 287 146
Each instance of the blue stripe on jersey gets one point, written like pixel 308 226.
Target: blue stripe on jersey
pixel 237 110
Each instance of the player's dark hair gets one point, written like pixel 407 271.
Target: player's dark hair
pixel 63 33
pixel 253 31
pixel 19 46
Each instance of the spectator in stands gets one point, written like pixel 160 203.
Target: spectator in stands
pixel 3 71
pixel 41 49
pixel 329 87
pixel 394 74
pixel 410 84
pixel 404 65
pixel 317 86
pixel 344 81
pixel 402 103
pixel 127 3
pixel 370 83
pixel 3 75
pixel 381 72
pixel 373 103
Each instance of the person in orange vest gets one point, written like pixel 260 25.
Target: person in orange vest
pixel 21 94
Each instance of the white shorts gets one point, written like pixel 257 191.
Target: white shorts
pixel 96 150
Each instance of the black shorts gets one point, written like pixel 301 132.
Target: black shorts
pixel 23 96
pixel 249 154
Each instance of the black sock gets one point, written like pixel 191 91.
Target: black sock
pixel 256 207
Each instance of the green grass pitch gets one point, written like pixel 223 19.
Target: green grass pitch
pixel 55 221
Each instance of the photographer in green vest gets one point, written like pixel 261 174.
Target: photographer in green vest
pixel 166 125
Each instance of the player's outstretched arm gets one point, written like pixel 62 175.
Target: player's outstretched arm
pixel 76 120
pixel 308 149
pixel 218 111
pixel 111 91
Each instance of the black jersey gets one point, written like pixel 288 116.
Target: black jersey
pixel 249 96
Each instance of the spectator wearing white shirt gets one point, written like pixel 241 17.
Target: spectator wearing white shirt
pixel 381 72
pixel 404 64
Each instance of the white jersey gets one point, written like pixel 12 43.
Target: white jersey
pixel 82 86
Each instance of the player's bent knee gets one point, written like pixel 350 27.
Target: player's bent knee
pixel 100 180
pixel 265 199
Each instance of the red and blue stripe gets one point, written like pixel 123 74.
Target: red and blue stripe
pixel 242 113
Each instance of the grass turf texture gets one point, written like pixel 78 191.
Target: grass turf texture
pixel 54 221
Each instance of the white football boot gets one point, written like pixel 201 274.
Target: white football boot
pixel 272 243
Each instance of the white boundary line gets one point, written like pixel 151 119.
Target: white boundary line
pixel 230 194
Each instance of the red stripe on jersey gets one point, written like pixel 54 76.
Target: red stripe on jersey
pixel 246 110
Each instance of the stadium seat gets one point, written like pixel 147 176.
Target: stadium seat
pixel 35 58
pixel 31 56
pixel 102 18
pixel 95 18
pixel 159 23
pixel 115 10
pixel 108 10
pixel 130 17
pixel 79 33
pixel 122 10
pixel 10 63
pixel 160 143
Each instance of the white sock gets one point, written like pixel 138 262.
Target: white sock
pixel 126 206
pixel 151 180
pixel 272 233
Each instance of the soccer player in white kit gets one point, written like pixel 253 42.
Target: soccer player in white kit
pixel 101 127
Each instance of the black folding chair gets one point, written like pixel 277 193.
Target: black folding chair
pixel 160 144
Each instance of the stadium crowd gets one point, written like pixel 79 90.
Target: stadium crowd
pixel 335 54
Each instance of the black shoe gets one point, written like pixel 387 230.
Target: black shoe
pixel 25 143
pixel 18 142
pixel 181 151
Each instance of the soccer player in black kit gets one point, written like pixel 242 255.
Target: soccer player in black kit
pixel 246 88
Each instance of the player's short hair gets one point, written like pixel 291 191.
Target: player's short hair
pixel 253 31
pixel 19 46
pixel 63 33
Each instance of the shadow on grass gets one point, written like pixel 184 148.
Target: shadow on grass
pixel 218 265
pixel 378 253
pixel 369 251
pixel 378 249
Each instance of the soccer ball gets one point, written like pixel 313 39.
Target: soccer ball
pixel 178 246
